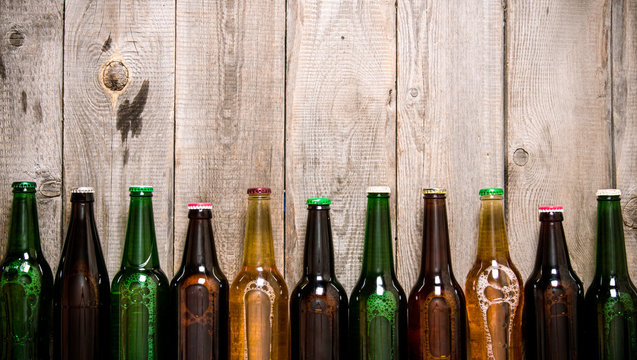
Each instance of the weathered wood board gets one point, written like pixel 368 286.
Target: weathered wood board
pixel 118 112
pixel 559 148
pixel 229 117
pixel 450 120
pixel 31 113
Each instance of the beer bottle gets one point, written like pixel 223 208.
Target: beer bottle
pixel 318 304
pixel 494 289
pixel 199 294
pixel 81 298
pixel 611 300
pixel 378 306
pixel 554 295
pixel 26 283
pixel 436 306
pixel 139 293
pixel 258 295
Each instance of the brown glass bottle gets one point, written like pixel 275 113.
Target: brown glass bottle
pixel 81 297
pixel 199 294
pixel 554 295
pixel 494 288
pixel 436 306
pixel 318 304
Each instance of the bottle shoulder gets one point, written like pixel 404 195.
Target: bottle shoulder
pixel 128 276
pixel 610 287
pixel 31 268
pixel 264 278
pixel 307 288
pixel 379 286
pixel 206 278
pixel 427 288
pixel 553 278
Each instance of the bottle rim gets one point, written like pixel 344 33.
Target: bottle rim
pixel 551 209
pixel 259 190
pixel 434 191
pixel 491 191
pixel 378 190
pixel 24 186
pixel 200 206
pixel 318 201
pixel 608 192
pixel 83 190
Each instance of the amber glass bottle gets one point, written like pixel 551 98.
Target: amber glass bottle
pixel 199 294
pixel 258 295
pixel 436 306
pixel 494 289
pixel 26 283
pixel 318 304
pixel 378 305
pixel 611 300
pixel 554 296
pixel 82 293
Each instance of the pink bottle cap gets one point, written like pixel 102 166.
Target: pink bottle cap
pixel 199 206
pixel 545 209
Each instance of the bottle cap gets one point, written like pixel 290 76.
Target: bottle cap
pixel 378 190
pixel 259 190
pixel 550 209
pixel 199 206
pixel 319 201
pixel 491 191
pixel 441 191
pixel 609 192
pixel 83 190
pixel 26 186
pixel 140 188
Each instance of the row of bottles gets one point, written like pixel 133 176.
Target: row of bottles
pixel 200 316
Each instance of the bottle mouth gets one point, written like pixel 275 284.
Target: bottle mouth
pixel 141 190
pixel 24 187
pixel 608 194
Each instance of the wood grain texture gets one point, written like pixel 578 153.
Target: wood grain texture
pixel 119 102
pixel 31 113
pixel 559 125
pixel 450 120
pixel 340 121
pixel 229 117
pixel 624 54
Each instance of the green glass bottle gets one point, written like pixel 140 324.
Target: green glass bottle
pixel 378 305
pixel 611 300
pixel 140 293
pixel 26 284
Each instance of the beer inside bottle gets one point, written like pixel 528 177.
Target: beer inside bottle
pixel 82 291
pixel 26 283
pixel 554 295
pixel 494 289
pixel 378 306
pixel 318 304
pixel 611 300
pixel 199 293
pixel 436 306
pixel 258 295
pixel 139 293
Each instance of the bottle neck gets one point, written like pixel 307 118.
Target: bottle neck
pixel 24 231
pixel 611 249
pixel 492 238
pixel 318 257
pixel 258 250
pixel 435 244
pixel 82 232
pixel 140 249
pixel 552 252
pixel 200 245
pixel 377 254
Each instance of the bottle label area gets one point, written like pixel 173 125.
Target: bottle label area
pixel 381 313
pixel 258 313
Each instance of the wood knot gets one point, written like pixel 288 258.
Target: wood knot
pixel 413 92
pixel 630 213
pixel 115 75
pixel 520 157
pixel 16 38
pixel 51 188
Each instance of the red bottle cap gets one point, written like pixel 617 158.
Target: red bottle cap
pixel 259 190
pixel 199 206
pixel 544 209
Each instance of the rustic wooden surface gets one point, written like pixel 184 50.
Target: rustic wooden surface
pixel 118 113
pixel 450 120
pixel 31 113
pixel 340 121
pixel 559 145
pixel 624 80
pixel 322 98
pixel 230 119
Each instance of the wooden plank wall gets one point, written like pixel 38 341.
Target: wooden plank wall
pixel 322 98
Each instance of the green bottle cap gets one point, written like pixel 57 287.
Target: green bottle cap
pixel 140 188
pixel 319 201
pixel 491 191
pixel 23 186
